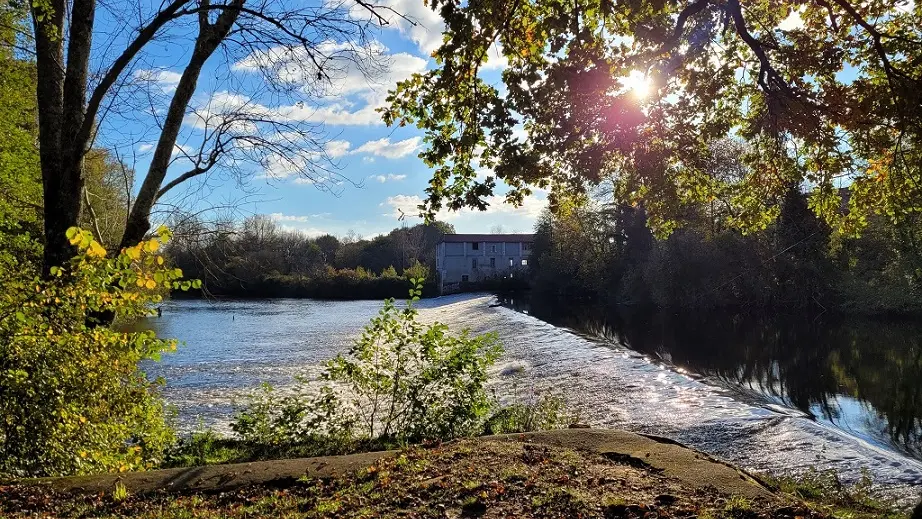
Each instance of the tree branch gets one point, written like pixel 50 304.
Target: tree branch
pixel 93 218
pixel 876 37
pixel 145 35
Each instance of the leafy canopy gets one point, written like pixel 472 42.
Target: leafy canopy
pixel 831 101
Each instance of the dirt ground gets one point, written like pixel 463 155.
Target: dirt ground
pixel 489 478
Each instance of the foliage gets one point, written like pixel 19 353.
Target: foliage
pixel 20 176
pixel 72 398
pixel 824 492
pixel 401 381
pixel 543 413
pixel 106 196
pixel 830 98
pixel 603 253
pixel 413 382
pixel 258 259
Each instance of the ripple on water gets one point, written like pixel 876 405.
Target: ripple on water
pixel 231 347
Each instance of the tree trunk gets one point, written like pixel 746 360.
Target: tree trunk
pixel 210 36
pixel 49 50
pixel 62 96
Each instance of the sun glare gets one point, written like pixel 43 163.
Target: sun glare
pixel 636 83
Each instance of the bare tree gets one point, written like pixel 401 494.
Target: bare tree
pixel 315 39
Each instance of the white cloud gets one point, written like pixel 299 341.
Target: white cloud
pixel 310 232
pixel 337 149
pixel 385 148
pixel 277 166
pixel 281 217
pixel 406 204
pixel 793 21
pixel 225 107
pixel 530 209
pixel 181 150
pixel 385 178
pixel 495 58
pixel 359 79
pixel 413 18
pixel 167 80
pixel 144 148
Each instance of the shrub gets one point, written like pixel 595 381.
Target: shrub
pixel 401 381
pixel 540 414
pixel 72 399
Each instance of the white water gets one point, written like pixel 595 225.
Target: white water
pixel 233 346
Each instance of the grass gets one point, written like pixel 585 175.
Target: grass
pixel 823 492
pixel 467 478
pixel 209 448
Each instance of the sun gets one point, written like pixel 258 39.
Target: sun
pixel 637 83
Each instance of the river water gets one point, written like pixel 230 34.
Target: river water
pixel 765 396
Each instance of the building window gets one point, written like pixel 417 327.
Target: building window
pixel 492 263
pixel 475 245
pixel 524 262
pixel 524 247
pixel 473 263
pixel 511 262
pixel 464 278
pixel 492 248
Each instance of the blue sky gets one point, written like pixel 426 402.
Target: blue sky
pixel 376 171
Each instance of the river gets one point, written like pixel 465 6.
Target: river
pixel 768 396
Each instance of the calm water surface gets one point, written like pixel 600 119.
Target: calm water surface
pixel 860 375
pixel 775 395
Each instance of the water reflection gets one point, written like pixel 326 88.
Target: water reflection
pixel 863 376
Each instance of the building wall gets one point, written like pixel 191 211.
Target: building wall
pixel 454 261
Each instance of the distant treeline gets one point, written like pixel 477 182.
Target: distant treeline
pixel 605 255
pixel 257 258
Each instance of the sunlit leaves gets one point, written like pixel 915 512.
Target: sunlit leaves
pixel 819 99
pixel 74 400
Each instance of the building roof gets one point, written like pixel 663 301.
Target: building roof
pixel 456 238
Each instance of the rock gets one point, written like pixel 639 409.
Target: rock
pixel 787 511
pixel 665 499
pixel 624 511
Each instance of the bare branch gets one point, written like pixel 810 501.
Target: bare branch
pixel 145 35
pixel 93 218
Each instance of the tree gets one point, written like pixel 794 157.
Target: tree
pixel 106 196
pixel 20 177
pixel 823 92
pixel 313 39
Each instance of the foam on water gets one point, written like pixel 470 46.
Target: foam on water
pixel 611 386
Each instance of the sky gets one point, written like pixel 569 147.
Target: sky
pixel 376 171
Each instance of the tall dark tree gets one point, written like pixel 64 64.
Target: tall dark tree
pixel 71 101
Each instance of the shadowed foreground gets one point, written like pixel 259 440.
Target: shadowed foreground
pixel 571 473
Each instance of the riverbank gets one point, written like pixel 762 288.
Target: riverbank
pixel 567 473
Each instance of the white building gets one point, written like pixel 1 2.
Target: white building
pixel 462 258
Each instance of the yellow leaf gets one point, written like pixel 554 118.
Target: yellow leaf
pixel 153 245
pixel 133 252
pixel 159 260
pixel 151 284
pixel 96 250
